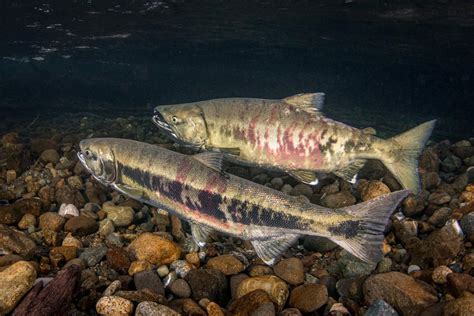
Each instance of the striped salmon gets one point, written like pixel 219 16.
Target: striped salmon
pixel 195 189
pixel 291 135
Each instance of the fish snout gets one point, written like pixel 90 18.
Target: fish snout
pixel 160 121
pixel 157 117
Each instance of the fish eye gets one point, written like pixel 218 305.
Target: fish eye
pixel 174 119
pixel 88 153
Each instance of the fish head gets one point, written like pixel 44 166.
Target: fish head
pixel 97 156
pixel 184 123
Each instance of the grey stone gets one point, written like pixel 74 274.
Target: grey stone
pixel 380 307
pixel 451 163
pixel 180 288
pixel 467 224
pixel 149 279
pixel 319 244
pixel 94 255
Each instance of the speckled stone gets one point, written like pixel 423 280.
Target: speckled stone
pixel 154 309
pixel 15 281
pixel 114 305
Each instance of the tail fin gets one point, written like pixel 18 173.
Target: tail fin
pixel 362 235
pixel 405 168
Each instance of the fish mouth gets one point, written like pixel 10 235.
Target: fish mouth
pixel 82 159
pixel 159 121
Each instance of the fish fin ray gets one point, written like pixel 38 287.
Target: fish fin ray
pixel 225 150
pixel 349 172
pixel 412 142
pixel 305 176
pixel 310 102
pixel 271 248
pixel 212 160
pixel 200 234
pixel 371 218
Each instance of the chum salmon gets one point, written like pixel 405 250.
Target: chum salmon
pixel 197 190
pixel 291 135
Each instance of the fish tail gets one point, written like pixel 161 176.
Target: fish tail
pixel 404 166
pixel 362 235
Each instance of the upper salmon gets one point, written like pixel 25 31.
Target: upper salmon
pixel 195 189
pixel 291 135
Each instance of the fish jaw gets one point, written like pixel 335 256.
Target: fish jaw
pixel 159 121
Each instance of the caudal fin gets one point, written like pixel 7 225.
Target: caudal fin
pixel 405 165
pixel 362 235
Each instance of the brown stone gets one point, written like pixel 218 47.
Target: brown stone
pixel 308 297
pixel 154 249
pixel 248 303
pixel 274 286
pixel 81 225
pixel 373 189
pixel 439 248
pixel 186 306
pixel 51 221
pixel 400 291
pixel 463 306
pixel 214 310
pixel 227 264
pixel 459 283
pixel 16 242
pixel 118 259
pixel 15 281
pixel 290 270
pixel 142 296
pixel 68 252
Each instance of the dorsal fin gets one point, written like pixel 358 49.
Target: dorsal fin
pixel 211 159
pixel 309 102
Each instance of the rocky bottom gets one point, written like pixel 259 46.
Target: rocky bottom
pixel 70 246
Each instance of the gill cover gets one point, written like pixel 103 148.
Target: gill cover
pixel 185 122
pixel 98 160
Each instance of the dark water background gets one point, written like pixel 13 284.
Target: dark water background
pixel 386 64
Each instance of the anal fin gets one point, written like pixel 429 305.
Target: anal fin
pixel 305 176
pixel 200 234
pixel 271 248
pixel 349 172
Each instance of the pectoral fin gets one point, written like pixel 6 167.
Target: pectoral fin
pixel 210 159
pixel 270 249
pixel 308 177
pixel 349 172
pixel 226 150
pixel 200 234
pixel 136 194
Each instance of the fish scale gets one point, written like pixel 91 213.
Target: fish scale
pixel 196 189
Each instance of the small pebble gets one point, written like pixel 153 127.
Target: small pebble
pixel 413 268
pixel 440 274
pixel 163 271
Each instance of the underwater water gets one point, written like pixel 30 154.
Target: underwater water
pixel 119 227
pixel 386 64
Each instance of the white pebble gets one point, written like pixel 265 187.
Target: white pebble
pixel 163 271
pixel 413 268
pixel 68 209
